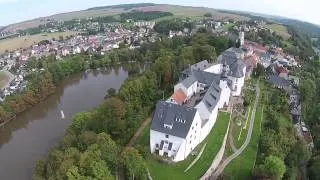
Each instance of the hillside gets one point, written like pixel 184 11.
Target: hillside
pixel 310 29
pixel 178 11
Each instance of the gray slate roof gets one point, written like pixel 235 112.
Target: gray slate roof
pixel 188 81
pixel 235 50
pixel 198 66
pixel 212 97
pixel 231 59
pixel 236 69
pixel 180 117
pixel 202 77
pixel 228 57
pixel 279 81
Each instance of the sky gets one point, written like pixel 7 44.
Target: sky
pixel 13 11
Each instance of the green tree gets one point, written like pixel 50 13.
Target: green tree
pixel 314 167
pixel 207 15
pixel 134 164
pixel 80 120
pixel 109 150
pixel 274 167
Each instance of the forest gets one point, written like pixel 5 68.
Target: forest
pixel 309 87
pixel 282 154
pixel 143 16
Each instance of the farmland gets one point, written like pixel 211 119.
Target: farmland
pixel 280 30
pixel 26 41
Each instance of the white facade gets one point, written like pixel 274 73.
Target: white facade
pixel 225 94
pixel 216 69
pixel 187 91
pixel 237 84
pixel 181 147
pixel 241 38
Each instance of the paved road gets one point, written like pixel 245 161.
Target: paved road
pixel 224 164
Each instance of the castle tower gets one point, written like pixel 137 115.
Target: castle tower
pixel 241 38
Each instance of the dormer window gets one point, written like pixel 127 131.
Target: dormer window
pixel 168 126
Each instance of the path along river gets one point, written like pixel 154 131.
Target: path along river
pixel 33 133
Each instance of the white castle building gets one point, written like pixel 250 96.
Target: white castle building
pixel 187 117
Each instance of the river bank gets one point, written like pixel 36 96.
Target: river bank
pixel 34 132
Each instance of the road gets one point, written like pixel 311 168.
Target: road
pixel 224 164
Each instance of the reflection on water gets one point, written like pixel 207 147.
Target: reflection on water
pixel 30 137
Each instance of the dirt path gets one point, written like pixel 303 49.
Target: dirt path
pixel 144 124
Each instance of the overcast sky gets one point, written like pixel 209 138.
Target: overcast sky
pixel 12 11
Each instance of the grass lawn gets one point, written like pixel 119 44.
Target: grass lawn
pixel 227 26
pixel 280 30
pixel 162 171
pixel 26 41
pixel 241 167
pixel 235 132
pixel 238 142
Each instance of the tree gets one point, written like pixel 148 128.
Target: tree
pixel 202 30
pixel 3 115
pixel 111 92
pixel 39 170
pixel 274 167
pixel 80 120
pixel 86 139
pixel 73 174
pixel 314 167
pixel 259 70
pixel 207 15
pixel 109 150
pixel 134 164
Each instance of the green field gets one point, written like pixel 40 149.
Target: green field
pixel 162 171
pixel 26 41
pixel 242 166
pixel 280 30
pixel 243 136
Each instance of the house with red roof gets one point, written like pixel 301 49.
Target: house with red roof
pixel 255 47
pixel 179 97
pixel 281 71
pixel 251 63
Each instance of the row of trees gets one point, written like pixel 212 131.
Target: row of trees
pixel 309 87
pixel 281 152
pixel 264 37
pixel 143 16
pixel 93 147
pixel 300 44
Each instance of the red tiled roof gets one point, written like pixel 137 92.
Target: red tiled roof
pixel 179 96
pixel 281 69
pixel 255 46
pixel 251 60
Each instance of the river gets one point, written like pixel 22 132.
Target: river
pixel 30 137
